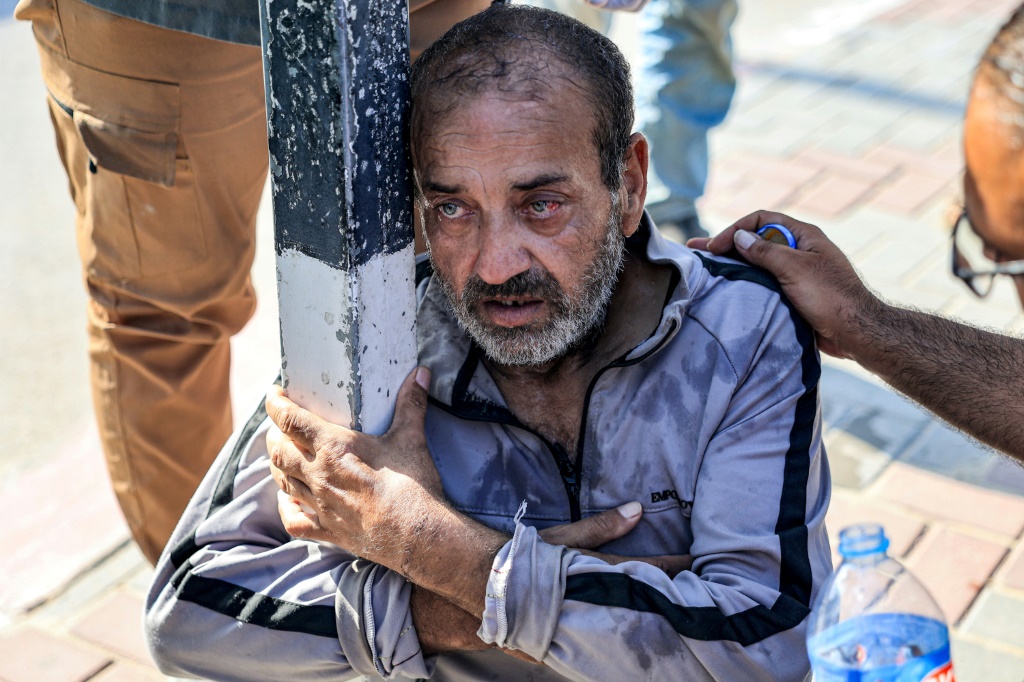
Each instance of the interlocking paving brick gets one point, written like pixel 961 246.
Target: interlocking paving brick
pixel 1012 573
pixel 998 616
pixel 856 233
pixel 954 567
pixel 906 159
pixel 852 462
pixel 915 296
pixel 993 313
pixel 872 412
pixel 861 168
pixel 90 587
pixel 832 196
pixel 140 579
pixel 116 625
pixel 899 258
pixel 779 139
pixel 846 509
pixel 33 656
pixel 909 192
pixel 975 662
pixel 792 171
pixel 45 543
pixel 852 137
pixel 950 453
pixel 723 178
pixel 755 194
pixel 951 152
pixel 945 498
pixel 938 279
pixel 128 672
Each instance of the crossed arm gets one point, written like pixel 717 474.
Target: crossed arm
pixel 239 597
pixel 392 486
pixel 236 597
pixel 972 378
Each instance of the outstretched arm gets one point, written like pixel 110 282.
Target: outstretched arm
pixel 972 378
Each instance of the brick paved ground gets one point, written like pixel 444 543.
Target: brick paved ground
pixel 854 127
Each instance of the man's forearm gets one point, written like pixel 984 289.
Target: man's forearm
pixel 442 626
pixel 972 378
pixel 450 554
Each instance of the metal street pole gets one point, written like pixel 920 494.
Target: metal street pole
pixel 337 88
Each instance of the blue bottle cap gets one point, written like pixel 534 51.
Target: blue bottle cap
pixel 862 540
pixel 779 234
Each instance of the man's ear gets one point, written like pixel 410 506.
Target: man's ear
pixel 634 182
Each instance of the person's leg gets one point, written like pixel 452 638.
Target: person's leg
pixel 163 137
pixel 685 84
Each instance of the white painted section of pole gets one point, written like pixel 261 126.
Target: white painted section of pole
pixel 348 338
pixel 384 293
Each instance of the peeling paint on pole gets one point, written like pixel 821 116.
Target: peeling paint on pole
pixel 337 101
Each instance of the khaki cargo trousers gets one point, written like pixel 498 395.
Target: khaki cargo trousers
pixel 163 137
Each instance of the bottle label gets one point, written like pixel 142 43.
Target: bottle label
pixel 882 648
pixel 941 674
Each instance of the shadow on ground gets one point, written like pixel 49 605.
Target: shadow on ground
pixel 868 426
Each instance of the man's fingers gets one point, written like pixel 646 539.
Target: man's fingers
pixel 698 243
pixel 724 242
pixel 671 564
pixel 411 404
pixel 297 521
pixel 285 453
pixel 782 261
pixel 596 530
pixel 302 426
pixel 297 488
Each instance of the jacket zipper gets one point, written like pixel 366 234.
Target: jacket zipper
pixel 570 471
pixel 581 440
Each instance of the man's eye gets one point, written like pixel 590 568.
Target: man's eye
pixel 449 209
pixel 544 206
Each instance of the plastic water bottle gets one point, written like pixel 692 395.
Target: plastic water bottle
pixel 875 622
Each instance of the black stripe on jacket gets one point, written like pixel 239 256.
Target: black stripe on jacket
pixel 708 623
pixel 233 601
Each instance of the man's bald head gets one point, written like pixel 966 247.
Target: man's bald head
pixel 524 52
pixel 1000 75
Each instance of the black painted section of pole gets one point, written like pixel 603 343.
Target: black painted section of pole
pixel 337 85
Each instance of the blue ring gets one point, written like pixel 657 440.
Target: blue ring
pixel 782 230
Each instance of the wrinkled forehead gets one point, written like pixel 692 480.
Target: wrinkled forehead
pixel 499 140
pixel 503 75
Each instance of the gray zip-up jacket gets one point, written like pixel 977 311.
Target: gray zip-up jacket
pixel 712 423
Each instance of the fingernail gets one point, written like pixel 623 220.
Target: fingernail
pixel 423 378
pixel 744 239
pixel 630 510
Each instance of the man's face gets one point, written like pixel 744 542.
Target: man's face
pixel 525 237
pixel 994 179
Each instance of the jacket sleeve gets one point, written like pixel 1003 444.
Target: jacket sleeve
pixel 235 597
pixel 759 548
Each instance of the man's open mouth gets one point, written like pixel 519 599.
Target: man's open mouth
pixel 512 312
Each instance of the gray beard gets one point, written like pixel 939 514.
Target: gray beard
pixel 574 319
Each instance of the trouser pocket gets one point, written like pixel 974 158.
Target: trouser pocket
pixel 137 201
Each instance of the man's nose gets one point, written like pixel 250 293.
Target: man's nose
pixel 503 253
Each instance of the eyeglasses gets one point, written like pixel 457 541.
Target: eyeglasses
pixel 971 264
